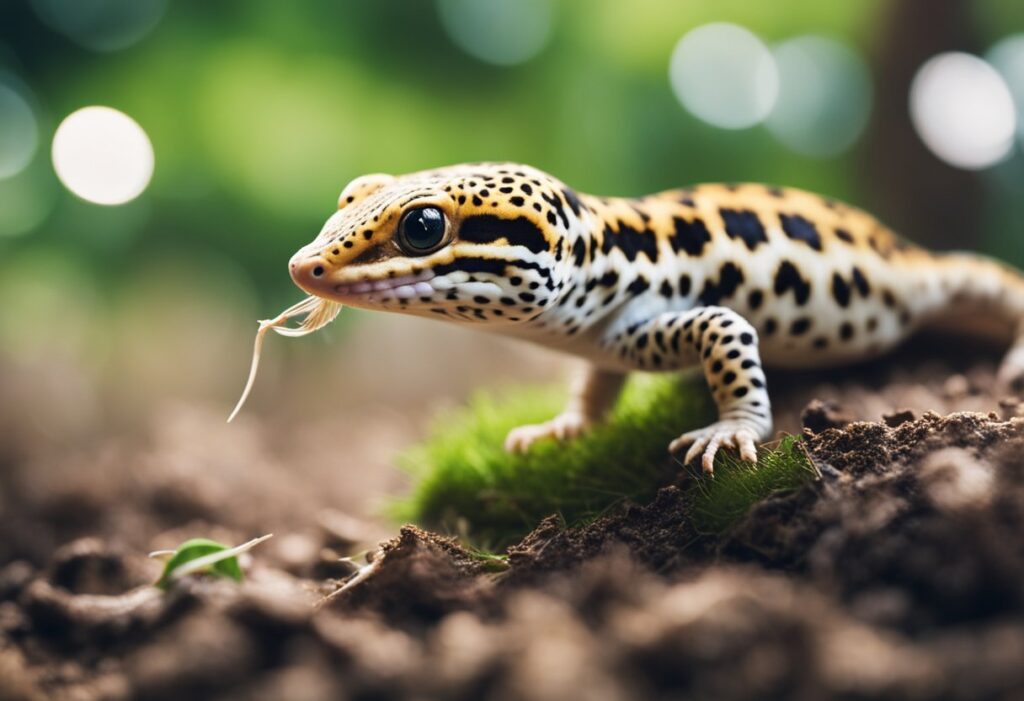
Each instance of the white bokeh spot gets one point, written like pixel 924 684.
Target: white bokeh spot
pixel 502 32
pixel 102 25
pixel 963 110
pixel 724 75
pixel 824 96
pixel 102 155
pixel 1007 57
pixel 19 132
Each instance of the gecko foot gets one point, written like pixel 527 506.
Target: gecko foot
pixel 563 427
pixel 1010 378
pixel 729 433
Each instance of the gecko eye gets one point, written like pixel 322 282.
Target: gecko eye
pixel 421 230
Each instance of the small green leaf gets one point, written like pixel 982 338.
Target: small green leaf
pixel 204 555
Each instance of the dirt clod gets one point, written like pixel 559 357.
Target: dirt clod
pixel 818 416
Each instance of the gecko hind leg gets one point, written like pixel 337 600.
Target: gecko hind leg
pixel 593 393
pixel 725 345
pixel 1010 376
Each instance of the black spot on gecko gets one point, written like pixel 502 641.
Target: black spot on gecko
pixel 579 251
pixel 472 265
pixel 684 284
pixel 609 279
pixel 666 289
pixel 689 236
pixel 556 203
pixel 638 285
pixel 729 278
pixel 630 242
pixel 744 225
pixel 800 326
pixel 840 290
pixel 788 278
pixel 799 229
pixel 487 228
pixel 844 235
pixel 573 200
pixel 861 282
pixel 755 299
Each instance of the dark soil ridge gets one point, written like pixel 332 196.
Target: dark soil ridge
pixel 898 574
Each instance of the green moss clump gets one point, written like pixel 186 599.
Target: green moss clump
pixel 716 504
pixel 464 481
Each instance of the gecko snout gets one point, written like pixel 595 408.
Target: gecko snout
pixel 307 270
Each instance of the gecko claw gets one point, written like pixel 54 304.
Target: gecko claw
pixel 705 442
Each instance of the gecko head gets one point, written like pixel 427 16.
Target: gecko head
pixel 474 243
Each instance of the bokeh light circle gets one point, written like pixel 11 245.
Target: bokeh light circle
pixel 102 25
pixel 102 155
pixel 19 132
pixel 724 75
pixel 1007 57
pixel 824 96
pixel 502 32
pixel 963 110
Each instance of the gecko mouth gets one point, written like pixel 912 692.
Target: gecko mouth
pixel 400 287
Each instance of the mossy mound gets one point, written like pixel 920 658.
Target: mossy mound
pixel 465 483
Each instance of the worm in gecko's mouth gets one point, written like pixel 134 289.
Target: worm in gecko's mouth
pixel 315 312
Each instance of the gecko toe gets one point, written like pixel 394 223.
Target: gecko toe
pixel 748 451
pixel 696 449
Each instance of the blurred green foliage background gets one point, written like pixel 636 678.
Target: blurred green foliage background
pixel 260 111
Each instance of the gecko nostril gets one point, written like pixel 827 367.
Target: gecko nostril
pixel 318 271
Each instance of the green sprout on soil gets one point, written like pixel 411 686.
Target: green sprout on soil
pixel 203 555
pixel 465 483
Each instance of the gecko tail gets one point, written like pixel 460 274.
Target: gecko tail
pixel 986 298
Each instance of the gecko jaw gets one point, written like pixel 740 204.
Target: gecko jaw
pixel 400 287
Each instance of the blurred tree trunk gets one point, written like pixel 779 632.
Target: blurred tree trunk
pixel 912 190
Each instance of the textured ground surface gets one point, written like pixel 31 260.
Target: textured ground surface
pixel 898 574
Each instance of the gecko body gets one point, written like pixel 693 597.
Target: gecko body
pixel 730 278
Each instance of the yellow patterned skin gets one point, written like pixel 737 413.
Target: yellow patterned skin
pixel 727 277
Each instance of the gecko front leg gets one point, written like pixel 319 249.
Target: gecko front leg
pixel 725 344
pixel 592 394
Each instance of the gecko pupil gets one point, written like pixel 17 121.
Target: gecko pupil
pixel 421 230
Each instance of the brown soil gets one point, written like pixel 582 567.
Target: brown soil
pixel 899 574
